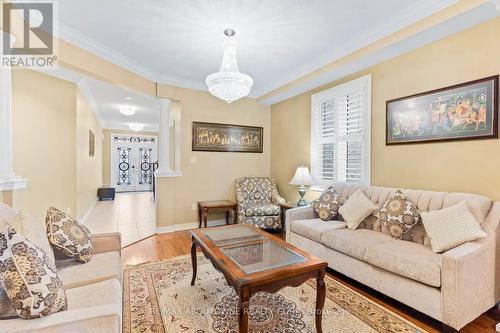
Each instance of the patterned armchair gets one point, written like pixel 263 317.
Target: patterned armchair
pixel 258 202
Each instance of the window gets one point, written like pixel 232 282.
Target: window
pixel 340 133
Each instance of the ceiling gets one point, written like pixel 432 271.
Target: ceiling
pixel 179 41
pixel 107 99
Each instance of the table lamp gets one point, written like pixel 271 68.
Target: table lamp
pixel 302 178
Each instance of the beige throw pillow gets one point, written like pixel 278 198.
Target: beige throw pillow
pixel 356 209
pixel 29 278
pixel 68 236
pixel 327 205
pixel 450 227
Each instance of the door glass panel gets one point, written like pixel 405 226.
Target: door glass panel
pixel 123 166
pixel 145 174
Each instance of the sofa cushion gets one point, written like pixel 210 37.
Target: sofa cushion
pixel 354 242
pixel 314 228
pixel 93 308
pixel 103 266
pixel 327 205
pixel 68 236
pixel 261 209
pixel 411 260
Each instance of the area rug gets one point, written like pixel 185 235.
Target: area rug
pixel 158 297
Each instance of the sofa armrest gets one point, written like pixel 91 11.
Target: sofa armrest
pixel 468 282
pixel 294 214
pixel 107 242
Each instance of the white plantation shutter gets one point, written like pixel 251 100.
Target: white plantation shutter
pixel 341 133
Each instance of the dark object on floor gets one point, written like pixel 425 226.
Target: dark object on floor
pixel 106 192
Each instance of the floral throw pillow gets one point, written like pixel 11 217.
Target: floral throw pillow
pixel 29 277
pixel 398 215
pixel 68 236
pixel 327 205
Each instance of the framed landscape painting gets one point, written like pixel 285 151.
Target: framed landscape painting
pixel 227 138
pixel 462 112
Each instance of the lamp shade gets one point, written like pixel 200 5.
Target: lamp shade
pixel 302 177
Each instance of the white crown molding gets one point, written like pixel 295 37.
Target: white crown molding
pixel 412 14
pixel 459 23
pixel 85 42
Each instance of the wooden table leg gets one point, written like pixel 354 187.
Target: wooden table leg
pixel 244 301
pixel 194 261
pixel 227 217
pixel 320 299
pixel 205 216
pixel 199 215
pixel 235 215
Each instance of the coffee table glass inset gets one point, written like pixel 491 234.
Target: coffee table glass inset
pixel 251 251
pixel 252 260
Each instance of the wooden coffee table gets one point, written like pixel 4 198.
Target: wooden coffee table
pixel 253 261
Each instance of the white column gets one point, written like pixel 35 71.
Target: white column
pixel 8 179
pixel 164 141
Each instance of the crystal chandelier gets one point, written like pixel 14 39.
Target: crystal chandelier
pixel 228 83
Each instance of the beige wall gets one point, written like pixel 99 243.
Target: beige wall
pixel 106 151
pixel 467 166
pixel 44 141
pixel 50 122
pixel 89 168
pixel 212 176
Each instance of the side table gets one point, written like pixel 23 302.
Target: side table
pixel 284 207
pixel 217 205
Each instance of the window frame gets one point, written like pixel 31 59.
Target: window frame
pixel 362 84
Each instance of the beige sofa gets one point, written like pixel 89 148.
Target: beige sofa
pixel 94 293
pixel 454 287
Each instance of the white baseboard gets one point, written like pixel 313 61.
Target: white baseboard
pixel 88 211
pixel 187 226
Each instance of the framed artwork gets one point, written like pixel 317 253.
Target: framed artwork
pixel 461 112
pixel 227 138
pixel 91 143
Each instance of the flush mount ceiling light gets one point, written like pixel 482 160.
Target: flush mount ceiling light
pixel 228 83
pixel 127 110
pixel 136 127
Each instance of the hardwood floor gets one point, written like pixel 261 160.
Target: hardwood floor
pixel 169 245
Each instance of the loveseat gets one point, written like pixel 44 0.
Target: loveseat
pixel 93 290
pixel 454 287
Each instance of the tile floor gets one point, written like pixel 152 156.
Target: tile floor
pixel 131 214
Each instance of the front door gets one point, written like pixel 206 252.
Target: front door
pixel 131 162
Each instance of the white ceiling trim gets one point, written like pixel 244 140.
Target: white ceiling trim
pixel 411 15
pixel 459 23
pixel 83 41
pixel 416 12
